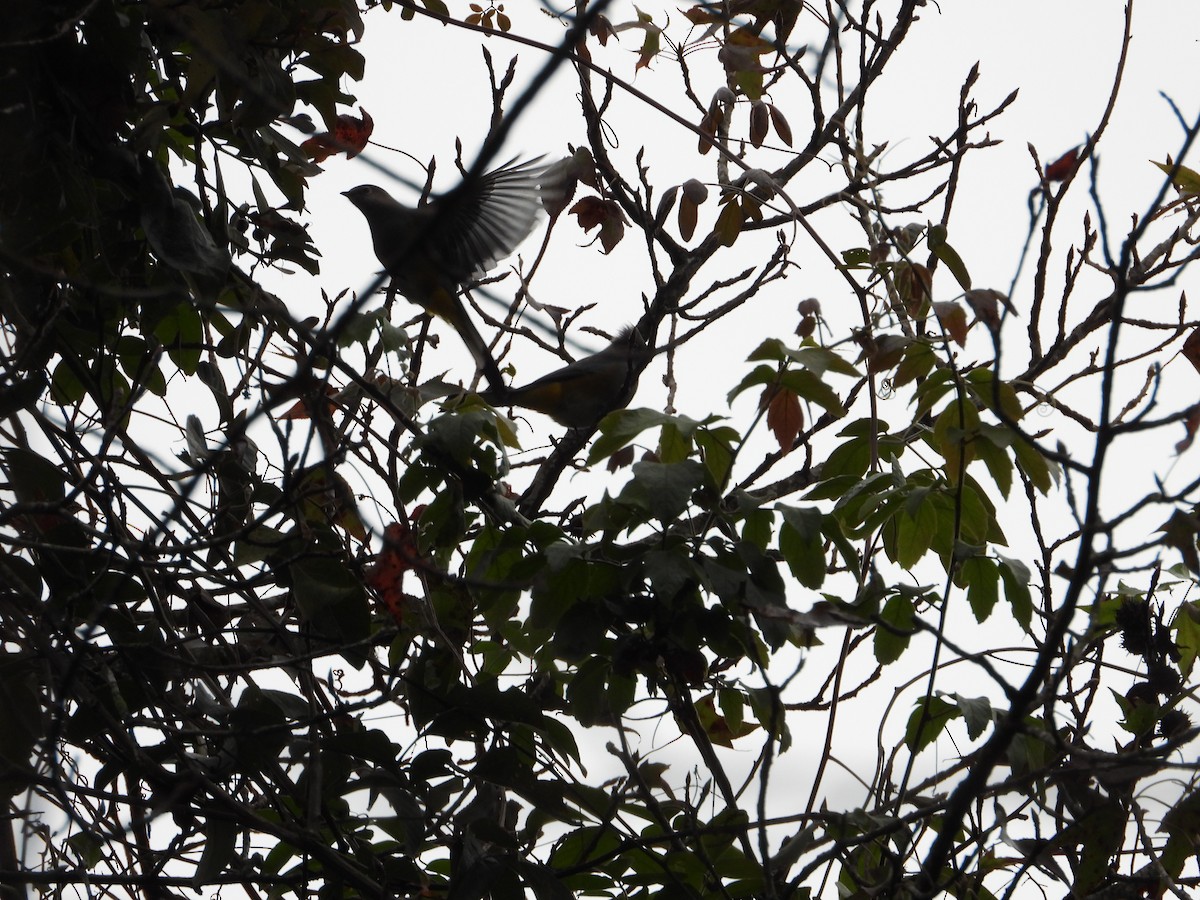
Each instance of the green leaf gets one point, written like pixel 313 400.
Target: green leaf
pixel 815 359
pixel 808 386
pixel 717 452
pixel 895 630
pixel 1027 753
pixel 848 460
pixel 332 600
pixel 587 699
pixel 620 428
pixel 1186 626
pixel 733 707
pixel 927 721
pixel 1015 576
pixel 758 527
pixel 65 386
pixel 948 255
pixel 820 360
pixel 932 389
pixel 992 447
pixel 1186 180
pixel 991 393
pixel 954 436
pixel 982 579
pixel 914 526
pixel 1182 824
pixel 1101 832
pixel 220 848
pixel 182 332
pixel 772 350
pixel 258 544
pixel 856 257
pixel 978 524
pixel 88 847
pixel 1040 471
pixel 729 223
pixel 977 712
pixel 543 881
pixel 24 721
pixel 802 544
pixel 664 489
pixel 918 361
pixel 759 375
pixel 32 477
pixel 674 444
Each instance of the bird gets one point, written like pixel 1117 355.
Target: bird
pixel 580 394
pixel 431 251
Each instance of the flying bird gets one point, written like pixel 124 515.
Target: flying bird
pixel 431 251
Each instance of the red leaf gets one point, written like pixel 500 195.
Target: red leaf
pixel 708 127
pixel 760 119
pixel 1191 349
pixel 729 223
pixel 399 555
pixel 785 418
pixel 699 16
pixel 621 459
pixel 300 409
pixel 954 320
pixel 593 211
pixel 1064 166
pixel 782 128
pixel 350 135
pixel 601 29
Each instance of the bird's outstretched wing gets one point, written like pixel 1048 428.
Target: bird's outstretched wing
pixel 484 219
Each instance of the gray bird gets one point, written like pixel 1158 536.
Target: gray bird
pixel 431 251
pixel 580 394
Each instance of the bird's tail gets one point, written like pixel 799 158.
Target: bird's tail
pixel 470 335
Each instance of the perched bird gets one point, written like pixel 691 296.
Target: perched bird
pixel 580 394
pixel 432 250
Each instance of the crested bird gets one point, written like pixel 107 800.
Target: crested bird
pixel 431 251
pixel 580 394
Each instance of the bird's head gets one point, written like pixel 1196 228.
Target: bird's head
pixel 370 196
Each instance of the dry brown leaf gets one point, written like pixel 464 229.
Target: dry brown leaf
pixel 1191 349
pixel 953 319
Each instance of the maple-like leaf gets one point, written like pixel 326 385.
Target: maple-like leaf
pixel 350 135
pixel 386 577
pixel 593 211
